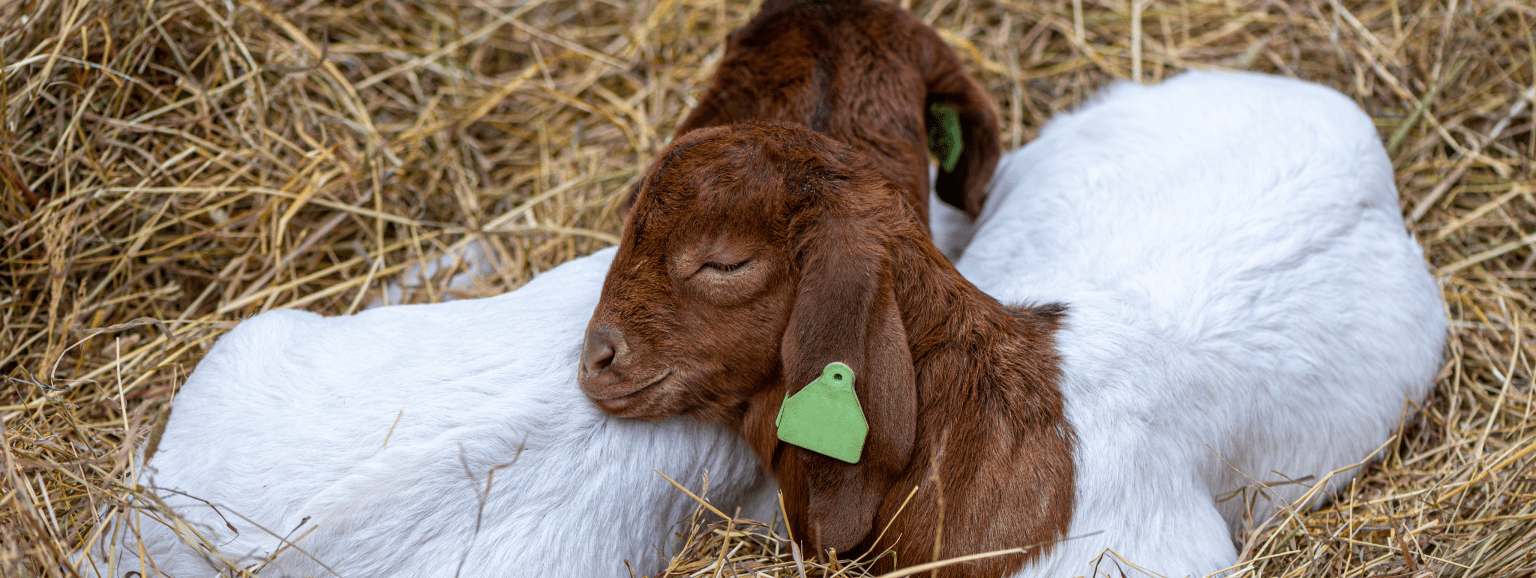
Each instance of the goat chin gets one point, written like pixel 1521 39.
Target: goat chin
pixel 1244 304
pixel 368 442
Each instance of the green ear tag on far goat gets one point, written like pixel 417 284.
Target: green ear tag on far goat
pixel 825 416
pixel 944 139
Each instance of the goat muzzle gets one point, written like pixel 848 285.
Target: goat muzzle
pixel 607 371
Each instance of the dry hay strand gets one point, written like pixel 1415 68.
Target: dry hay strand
pixel 189 163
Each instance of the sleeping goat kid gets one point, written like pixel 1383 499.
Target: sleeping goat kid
pixel 368 442
pixel 1223 284
pixel 868 74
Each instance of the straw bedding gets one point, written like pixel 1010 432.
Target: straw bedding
pixel 171 167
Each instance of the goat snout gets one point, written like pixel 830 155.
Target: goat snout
pixel 611 373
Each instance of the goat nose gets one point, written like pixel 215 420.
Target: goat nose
pixel 602 347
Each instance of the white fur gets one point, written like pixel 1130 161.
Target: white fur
pixel 287 416
pixel 1240 287
pixel 952 228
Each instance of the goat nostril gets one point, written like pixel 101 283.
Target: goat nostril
pixel 599 358
pixel 598 352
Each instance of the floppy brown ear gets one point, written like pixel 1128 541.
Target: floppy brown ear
pixel 846 310
pixel 949 86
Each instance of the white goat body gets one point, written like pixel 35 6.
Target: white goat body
pixel 283 428
pixel 1243 305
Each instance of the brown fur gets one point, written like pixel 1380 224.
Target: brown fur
pixel 863 72
pixel 960 391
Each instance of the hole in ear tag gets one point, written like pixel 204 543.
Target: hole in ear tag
pixel 825 416
pixel 944 136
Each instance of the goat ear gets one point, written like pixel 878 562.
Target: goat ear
pixel 846 310
pixel 956 103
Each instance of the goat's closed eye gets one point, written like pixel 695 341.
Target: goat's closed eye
pixel 731 280
pixel 724 267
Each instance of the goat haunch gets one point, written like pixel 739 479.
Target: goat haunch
pixel 755 255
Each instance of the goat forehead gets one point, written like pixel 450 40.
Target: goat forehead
pixel 689 247
pixel 741 173
pixel 701 177
pixel 741 203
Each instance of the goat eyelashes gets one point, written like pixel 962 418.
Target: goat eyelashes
pixel 724 267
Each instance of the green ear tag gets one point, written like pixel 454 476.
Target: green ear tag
pixel 944 136
pixel 825 416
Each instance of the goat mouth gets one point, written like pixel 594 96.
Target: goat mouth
pixel 653 382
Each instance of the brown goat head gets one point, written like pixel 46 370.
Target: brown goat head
pixel 722 294
pixel 870 75
pixel 758 253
